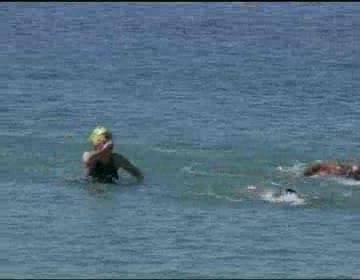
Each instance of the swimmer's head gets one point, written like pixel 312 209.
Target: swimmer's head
pixel 355 172
pixel 287 191
pixel 355 168
pixel 290 191
pixel 98 135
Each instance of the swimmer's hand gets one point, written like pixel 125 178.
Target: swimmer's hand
pixel 90 157
pixel 107 146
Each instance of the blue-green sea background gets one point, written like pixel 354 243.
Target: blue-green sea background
pixel 209 100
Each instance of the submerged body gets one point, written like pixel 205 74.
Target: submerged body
pixel 103 172
pixel 333 168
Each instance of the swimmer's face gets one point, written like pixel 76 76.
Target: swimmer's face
pixel 102 141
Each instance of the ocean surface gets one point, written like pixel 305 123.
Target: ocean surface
pixel 221 105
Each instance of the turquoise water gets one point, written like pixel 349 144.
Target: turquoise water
pixel 220 104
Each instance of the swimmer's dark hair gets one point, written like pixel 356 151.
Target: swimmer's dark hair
pixel 290 191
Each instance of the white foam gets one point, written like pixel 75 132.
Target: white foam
pixel 346 181
pixel 275 184
pixel 340 180
pixel 297 169
pixel 289 198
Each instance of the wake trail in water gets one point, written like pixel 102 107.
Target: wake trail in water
pixel 217 196
pixel 295 170
pixel 191 170
pixel 256 193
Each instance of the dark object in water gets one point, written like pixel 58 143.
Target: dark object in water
pixel 288 190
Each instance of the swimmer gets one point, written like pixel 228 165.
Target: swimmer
pixel 102 164
pixel 333 168
pixel 288 191
pixel 261 190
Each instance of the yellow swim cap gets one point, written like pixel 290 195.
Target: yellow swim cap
pixel 98 134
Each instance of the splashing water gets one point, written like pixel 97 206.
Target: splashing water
pixel 286 197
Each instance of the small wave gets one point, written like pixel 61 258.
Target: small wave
pixel 347 194
pixel 190 170
pixel 218 196
pixel 165 150
pixel 8 184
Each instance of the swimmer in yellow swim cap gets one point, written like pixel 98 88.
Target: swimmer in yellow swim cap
pixel 102 164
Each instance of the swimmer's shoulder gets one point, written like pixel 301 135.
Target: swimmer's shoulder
pixel 85 156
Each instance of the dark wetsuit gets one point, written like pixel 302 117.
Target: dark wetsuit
pixel 104 173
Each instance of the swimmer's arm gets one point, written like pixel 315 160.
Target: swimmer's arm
pixel 123 162
pixel 88 158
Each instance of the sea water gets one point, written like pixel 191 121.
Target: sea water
pixel 221 105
